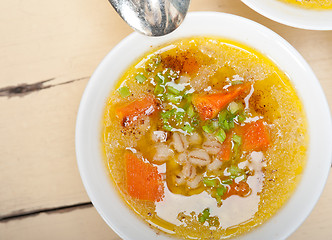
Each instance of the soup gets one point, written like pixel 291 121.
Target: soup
pixel 204 138
pixel 314 4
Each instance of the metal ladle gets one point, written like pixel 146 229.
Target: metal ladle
pixel 152 17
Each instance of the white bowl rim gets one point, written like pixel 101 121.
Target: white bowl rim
pixel 293 16
pixel 88 125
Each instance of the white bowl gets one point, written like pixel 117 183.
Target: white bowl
pixel 94 174
pixel 292 15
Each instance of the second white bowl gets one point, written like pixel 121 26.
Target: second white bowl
pixel 292 15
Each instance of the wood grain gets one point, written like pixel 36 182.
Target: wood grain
pixel 38 161
pixel 63 42
pixel 82 223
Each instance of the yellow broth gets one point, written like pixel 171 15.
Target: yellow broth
pixel 312 4
pixel 211 64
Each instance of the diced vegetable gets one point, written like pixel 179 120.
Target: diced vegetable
pixel 241 117
pixel 206 212
pixel 158 90
pixel 133 111
pixel 210 127
pixel 202 217
pixel 243 189
pixel 221 190
pixel 222 116
pixel 234 107
pixel 168 127
pixel 255 136
pixel 188 128
pixel 210 182
pixel 179 115
pixel 173 98
pixel 237 139
pixel 159 78
pixel 191 111
pixel 173 90
pixel 177 88
pixel 143 180
pixel 235 171
pixel 226 148
pixel 226 120
pixel 140 78
pixel 167 114
pixel 208 106
pixel 207 129
pixel 227 181
pixel 221 135
pixel 124 91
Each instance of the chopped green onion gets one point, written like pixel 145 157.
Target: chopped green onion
pixel 201 219
pixel 226 125
pixel 124 91
pixel 205 215
pixel 210 182
pixel 177 86
pixel 237 139
pixel 221 190
pixel 227 181
pixel 167 114
pixel 225 120
pixel 222 116
pixel 188 128
pixel 235 171
pixel 195 121
pixel 221 135
pixel 179 115
pixel 214 125
pixel 172 98
pixel 231 125
pixel 188 97
pixel 158 90
pixel 210 127
pixel 191 111
pixel 167 127
pixel 207 129
pixel 159 78
pixel 173 90
pixel 218 198
pixel 241 117
pixel 140 78
pixel 234 107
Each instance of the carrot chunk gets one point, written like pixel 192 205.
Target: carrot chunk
pixel 143 180
pixel 226 148
pixel 133 111
pixel 256 136
pixel 208 106
pixel 241 189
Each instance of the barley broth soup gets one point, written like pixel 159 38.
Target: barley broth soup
pixel 204 138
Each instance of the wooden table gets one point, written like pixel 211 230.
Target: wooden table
pixel 48 51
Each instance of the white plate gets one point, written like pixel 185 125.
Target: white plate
pixel 89 120
pixel 291 15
